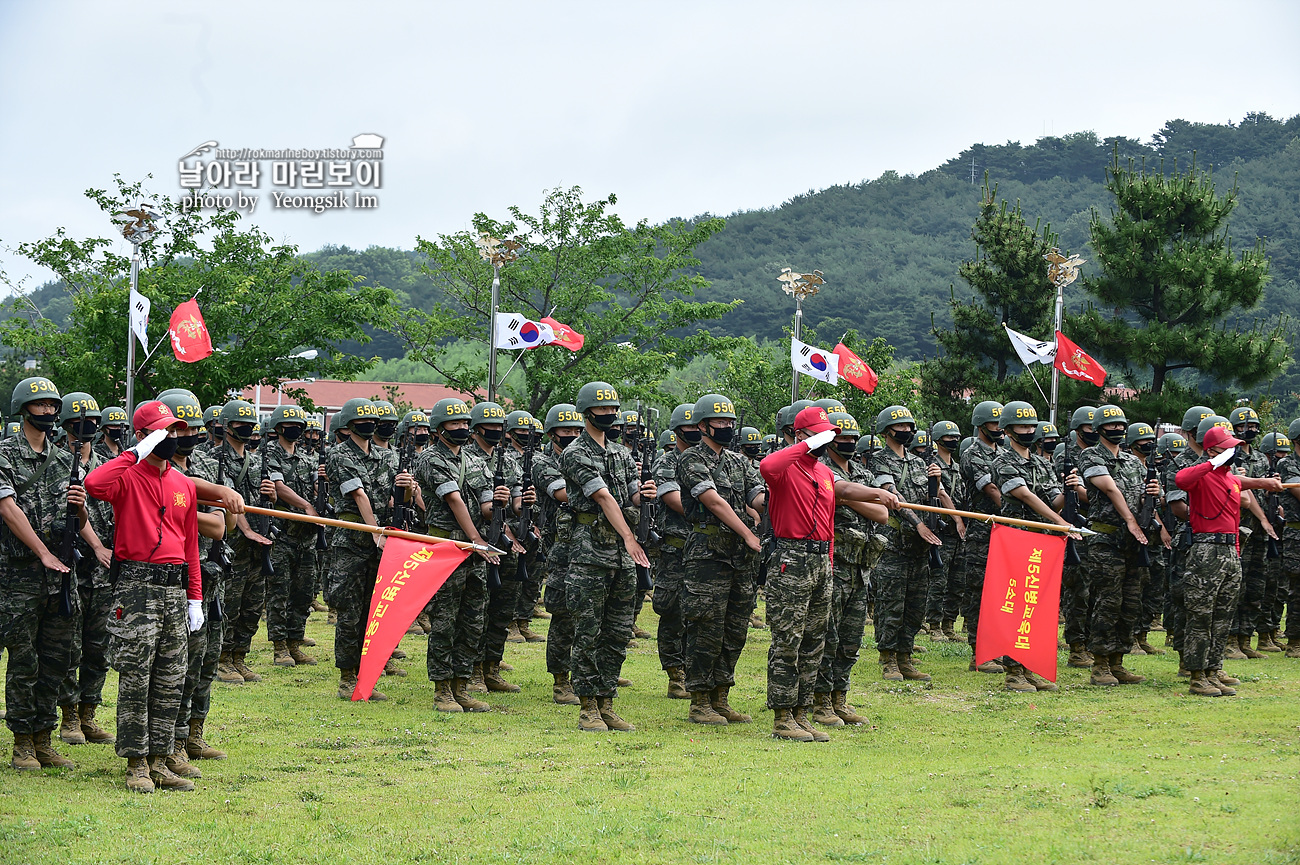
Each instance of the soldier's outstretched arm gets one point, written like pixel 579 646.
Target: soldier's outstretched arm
pixel 614 514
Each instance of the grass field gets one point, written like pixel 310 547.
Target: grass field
pixel 957 772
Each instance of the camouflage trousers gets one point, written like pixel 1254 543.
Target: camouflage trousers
pixel 147 621
pixel 245 599
pixel 902 579
pixel 798 591
pixel 844 626
pixel 667 603
pixel 39 641
pixel 559 637
pixel 1254 578
pixel 290 592
pixel 530 590
pixel 1076 599
pixel 1175 605
pixel 322 570
pixel 204 650
pixel 1291 577
pixel 458 615
pixel 717 601
pixel 1116 581
pixel 943 598
pixel 1157 586
pixel 601 600
pixel 975 555
pixel 1211 584
pixel 1270 613
pixel 503 603
pixel 354 564
pixel 88 666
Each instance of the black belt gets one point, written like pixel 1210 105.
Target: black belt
pixel 155 573
pixel 810 546
pixel 1214 538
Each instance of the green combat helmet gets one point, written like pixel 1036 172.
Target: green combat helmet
pixel 1193 416
pixel 80 415
pixel 212 415
pixel 1083 416
pixel 484 414
pixel 1240 418
pixel 561 415
pixel 1170 445
pixel 867 443
pixel 965 444
pixel 921 441
pixel 1275 443
pixel 667 440
pixel 1212 421
pixel 519 426
pixel 387 420
pixel 751 441
pixel 1019 413
pixel 183 405
pixel 784 418
pixel 845 424
pixel 715 406
pixel 1293 430
pixel 1048 435
pixel 596 394
pixel 895 414
pixel 283 414
pixel 946 435
pixel 988 411
pixel 1141 438
pixel 241 412
pixel 30 390
pixel 13 428
pixel 114 415
pixel 448 408
pixel 1109 414
pixel 357 409
pixel 831 405
pixel 769 443
pixel 683 415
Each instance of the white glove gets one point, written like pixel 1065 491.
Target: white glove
pixel 820 439
pixel 144 448
pixel 195 615
pixel 1223 457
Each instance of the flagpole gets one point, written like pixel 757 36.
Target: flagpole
pixel 138 226
pixel 799 285
pixel 994 518
pixel 1061 271
pixel 498 252
pixel 130 337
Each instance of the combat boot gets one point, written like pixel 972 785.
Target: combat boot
pixel 492 677
pixel 300 657
pixel 443 700
pixel 332 618
pixel 589 718
pixel 1146 646
pixel 180 765
pixel 539 613
pixel 846 713
pixel 318 606
pixel 282 657
pixel 1123 676
pixel 24 753
pixel 1037 681
pixel 624 683
pixel 909 670
pixel 305 641
pixel 949 634
pixel 1101 672
pixel 801 718
pixel 392 668
pixel 562 691
pixel 468 702
pixel 476 683
pixel 137 775
pixel 1079 658
pixel 1015 681
pixel 718 700
pixel 528 634
pixel 70 728
pixel 935 633
pixel 605 706
pixel 889 667
pixel 1225 689
pixel 425 623
pixel 756 621
pixel 1293 647
pixel 989 666
pixel 784 727
pixel 638 632
pixel 677 684
pixel 1155 625
pixel 226 671
pixel 347 684
pixel 918 649
pixel 513 635
pixel 376 695
pixel 1232 649
pixel 1202 686
pixel 1265 643
pixel 1243 641
pixel 823 713
pixel 197 748
pixel 164 778
pixel 1183 672
pixel 237 661
pixel 46 754
pixel 90 728
pixel 702 711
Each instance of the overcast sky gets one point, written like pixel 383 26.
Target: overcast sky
pixel 678 108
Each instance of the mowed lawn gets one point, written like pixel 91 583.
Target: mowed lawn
pixel 958 771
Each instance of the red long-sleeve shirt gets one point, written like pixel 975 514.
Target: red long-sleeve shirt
pixel 801 494
pixel 1213 497
pixel 156 514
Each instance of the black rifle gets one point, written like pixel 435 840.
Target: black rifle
pixel 403 506
pixel 68 552
pixel 645 533
pixel 265 527
pixel 524 532
pixel 736 435
pixel 1147 510
pixel 496 531
pixel 322 502
pixel 1070 508
pixel 217 554
pixel 931 518
pixel 1272 504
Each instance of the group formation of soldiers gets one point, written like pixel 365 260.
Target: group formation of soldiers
pixel 592 512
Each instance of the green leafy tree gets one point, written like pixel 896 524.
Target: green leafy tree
pixel 261 303
pixel 627 289
pixel 1168 282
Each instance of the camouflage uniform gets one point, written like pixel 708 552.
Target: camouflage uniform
pixel 798 593
pixel 289 593
pixel 1289 583
pixel 943 602
pixel 1076 599
pixel 977 472
pixel 902 575
pixel 1254 571
pixel 38 638
pixel 600 587
pixel 504 599
pixel 670 568
pixel 245 590
pixel 89 666
pixel 1211 584
pixel 204 645
pixel 459 609
pixel 1175 610
pixel 354 558
pixel 1116 578
pixel 718 590
pixel 556 520
pixel 857 550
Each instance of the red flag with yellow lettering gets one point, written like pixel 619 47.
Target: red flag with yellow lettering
pixel 410 573
pixel 1022 595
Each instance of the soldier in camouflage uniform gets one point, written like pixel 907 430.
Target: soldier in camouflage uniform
pixel 977 474
pixel 1076 599
pixel 604 493
pixel 563 426
pixel 1289 470
pixel 1141 443
pixel 82 689
pixel 112 433
pixel 943 603
pixel 1175 614
pixel 34 497
pixel 530 593
pixel 669 571
pixel 718 591
pixel 289 592
pixel 1116 482
pixel 1276 447
pixel 1254 571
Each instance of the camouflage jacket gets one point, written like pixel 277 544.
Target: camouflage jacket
pixel 349 468
pixel 732 477
pixel 297 471
pixel 440 473
pixel 977 472
pixel 665 475
pixel 852 530
pixel 911 484
pixel 1130 477
pixel 45 501
pixel 587 467
pixel 1012 471
pixel 553 516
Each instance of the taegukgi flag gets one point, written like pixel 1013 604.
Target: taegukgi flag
pixel 1031 350
pixel 814 362
pixel 513 331
pixel 140 317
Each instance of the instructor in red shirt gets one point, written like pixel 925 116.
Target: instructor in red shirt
pixel 802 493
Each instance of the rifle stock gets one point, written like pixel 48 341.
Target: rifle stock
pixel 1070 508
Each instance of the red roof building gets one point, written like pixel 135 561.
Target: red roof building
pixel 330 394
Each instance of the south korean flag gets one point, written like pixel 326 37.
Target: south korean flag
pixel 513 331
pixel 814 362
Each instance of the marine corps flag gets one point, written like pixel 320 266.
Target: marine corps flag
pixel 564 336
pixel 190 338
pixel 1022 596
pixel 855 370
pixel 1075 362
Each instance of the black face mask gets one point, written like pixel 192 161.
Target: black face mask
pixel 722 435
pixel 1049 445
pixel 291 433
pixel 1114 436
pixel 492 436
pixel 751 451
pixel 604 421
pixel 421 439
pixel 165 449
pixel 1089 438
pixel 846 449
pixel 1145 448
pixel 819 452
pixel 1248 436
pixel 1023 439
pixel 949 444
pixel 218 432
pixel 43 422
pixel 456 436
pixel 563 442
pixel 240 431
pixel 522 440
pixel 254 444
pixel 614 433
pixel 83 430
pixel 690 436
pixel 363 428
pixel 994 435
pixel 116 433
pixel 386 429
pixel 903 437
pixel 185 445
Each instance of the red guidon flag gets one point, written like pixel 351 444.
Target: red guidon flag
pixel 1076 363
pixel 854 369
pixel 1022 595
pixel 410 573
pixel 565 336
pixel 190 338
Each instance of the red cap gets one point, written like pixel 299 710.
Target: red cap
pixel 813 419
pixel 154 415
pixel 1218 437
